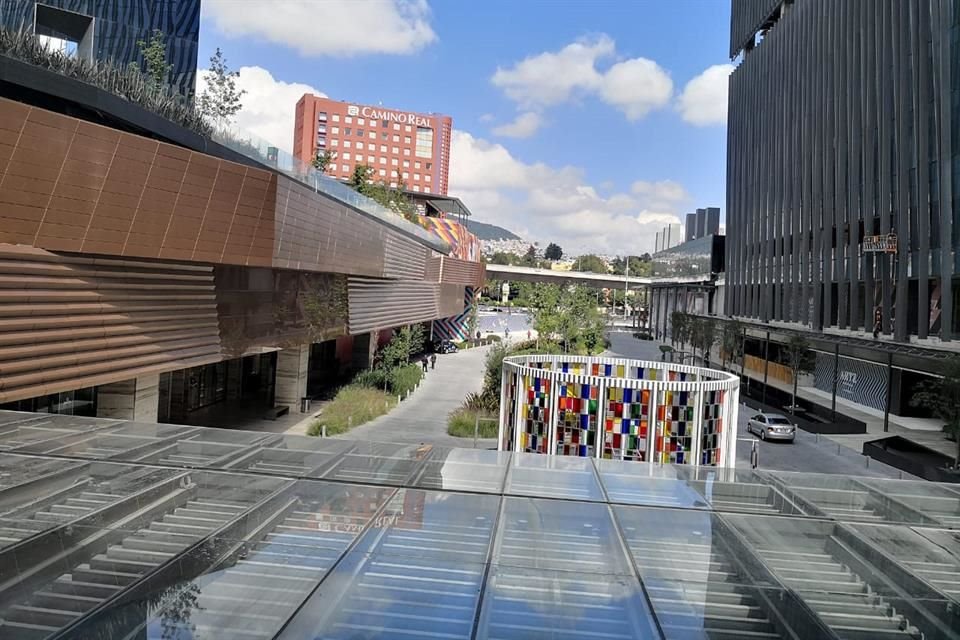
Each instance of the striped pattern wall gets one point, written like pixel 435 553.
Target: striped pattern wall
pixel 118 26
pixel 841 125
pixel 403 259
pixel 71 321
pixel 456 271
pixel 382 304
pixel 746 18
pixel 457 327
pixel 857 380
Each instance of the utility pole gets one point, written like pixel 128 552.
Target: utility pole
pixel 626 286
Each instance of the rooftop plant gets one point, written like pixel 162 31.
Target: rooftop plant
pixel 127 82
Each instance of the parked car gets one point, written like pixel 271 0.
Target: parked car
pixel 444 346
pixel 772 426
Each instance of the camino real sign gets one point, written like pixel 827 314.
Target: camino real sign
pixel 390 116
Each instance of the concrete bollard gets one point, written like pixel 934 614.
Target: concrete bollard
pixel 323 431
pixel 399 399
pixel 349 422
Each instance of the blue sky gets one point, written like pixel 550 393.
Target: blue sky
pixel 589 123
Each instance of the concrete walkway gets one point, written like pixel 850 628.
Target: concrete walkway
pixel 423 417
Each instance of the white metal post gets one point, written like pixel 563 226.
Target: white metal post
pixel 601 397
pixel 554 410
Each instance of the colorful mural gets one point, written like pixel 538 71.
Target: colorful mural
pixel 457 327
pixel 464 245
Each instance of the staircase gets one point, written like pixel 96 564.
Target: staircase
pixel 838 595
pixel 58 603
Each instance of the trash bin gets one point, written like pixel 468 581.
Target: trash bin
pixel 304 405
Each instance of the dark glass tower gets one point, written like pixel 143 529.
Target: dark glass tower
pixel 110 29
pixel 843 123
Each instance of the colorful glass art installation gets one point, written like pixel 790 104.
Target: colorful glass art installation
pixel 577 406
pixel 626 424
pixel 535 414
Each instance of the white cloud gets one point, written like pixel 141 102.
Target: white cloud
pixel 704 98
pixel 268 105
pixel 556 204
pixel 635 86
pixel 487 117
pixel 550 78
pixel 329 27
pixel 525 125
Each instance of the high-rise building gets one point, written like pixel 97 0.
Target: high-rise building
pixel 97 30
pixel 843 165
pixel 400 146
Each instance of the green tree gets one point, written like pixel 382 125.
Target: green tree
pixel 154 52
pixel 220 100
pixel 323 160
pixel 591 263
pixel 679 326
pixel 530 257
pixel 553 252
pixel 502 257
pixel 703 336
pixel 392 198
pixel 568 315
pixel 796 356
pixel 942 398
pixel 360 178
pixel 731 342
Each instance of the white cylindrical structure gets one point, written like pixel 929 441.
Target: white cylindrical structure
pixel 619 409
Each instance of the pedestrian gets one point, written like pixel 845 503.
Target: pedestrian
pixel 506 333
pixel 423 361
pixel 433 361
pixel 478 334
pixel 528 334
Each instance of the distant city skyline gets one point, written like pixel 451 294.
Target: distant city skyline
pixel 602 125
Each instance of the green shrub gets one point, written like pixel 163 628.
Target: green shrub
pixel 462 422
pixel 353 405
pixel 404 379
pixel 493 337
pixel 373 378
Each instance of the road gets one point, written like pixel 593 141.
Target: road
pixel 807 453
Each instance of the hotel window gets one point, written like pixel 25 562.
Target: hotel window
pixel 405 175
pixel 358 145
pixel 347 131
pixel 336 117
pixel 361 121
pixel 359 133
pixel 322 116
pixel 321 128
pixel 358 157
pixel 385 123
pixel 406 152
pixel 394 161
pixel 346 143
pixel 416 165
pixel 385 135
pixel 416 188
pixel 334 130
pixel 348 119
pixel 426 178
pixel 346 156
pixel 396 127
pixel 322 141
pixel 424 142
pixel 429 165
pixel 396 150
pixel 382 172
pixel 373 135
pixel 396 138
pixel 393 185
pixel 334 142
pixel 416 176
pixel 383 160
pixel 409 128
pixel 406 139
pixel 383 148
pixel 406 164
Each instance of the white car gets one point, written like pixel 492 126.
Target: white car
pixel 772 426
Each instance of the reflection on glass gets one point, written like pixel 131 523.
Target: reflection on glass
pixel 377 463
pixel 553 476
pixel 465 470
pixel 938 501
pixel 648 484
pixel 415 573
pixel 931 561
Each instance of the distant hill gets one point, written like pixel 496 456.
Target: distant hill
pixel 486 231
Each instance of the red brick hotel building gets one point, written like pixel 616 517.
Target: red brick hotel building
pixel 415 146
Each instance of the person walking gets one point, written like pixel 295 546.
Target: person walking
pixel 423 361
pixel 433 361
pixel 528 334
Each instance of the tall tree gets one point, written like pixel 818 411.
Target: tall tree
pixel 323 160
pixel 154 52
pixel 220 100
pixel 553 252
pixel 731 342
pixel 530 257
pixel 796 356
pixel 942 398
pixel 679 325
pixel 591 263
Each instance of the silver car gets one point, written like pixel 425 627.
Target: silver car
pixel 772 426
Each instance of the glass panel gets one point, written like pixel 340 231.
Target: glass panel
pixel 378 463
pixel 553 476
pixel 938 501
pixel 465 470
pixel 648 484
pixel 417 572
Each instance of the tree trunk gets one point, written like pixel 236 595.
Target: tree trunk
pixel 793 403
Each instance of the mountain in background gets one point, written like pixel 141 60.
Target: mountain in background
pixel 485 231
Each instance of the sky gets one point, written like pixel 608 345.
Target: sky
pixel 589 123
